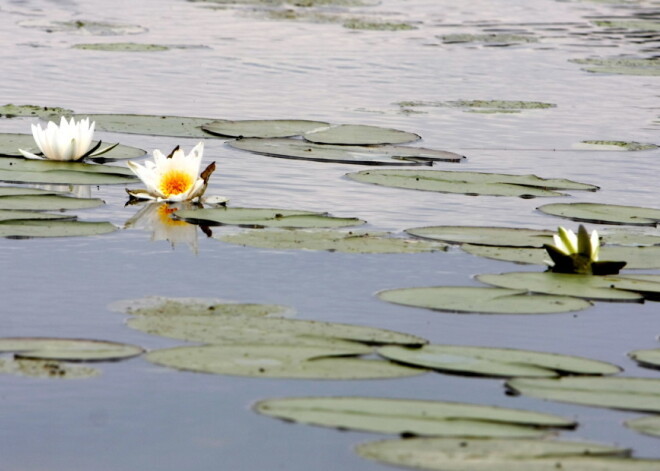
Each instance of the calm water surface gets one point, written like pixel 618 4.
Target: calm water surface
pixel 239 64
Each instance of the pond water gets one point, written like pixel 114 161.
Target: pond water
pixel 237 61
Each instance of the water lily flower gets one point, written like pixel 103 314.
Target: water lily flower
pixel 70 141
pixel 174 177
pixel 579 254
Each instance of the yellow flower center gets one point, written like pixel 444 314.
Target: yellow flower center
pixel 175 182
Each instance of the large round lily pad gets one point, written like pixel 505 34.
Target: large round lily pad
pixel 404 416
pixel 14 215
pixel 649 358
pixel 46 202
pixel 359 135
pixel 44 348
pixel 469 183
pixel 602 288
pixel 504 362
pixel 263 128
pixel 345 154
pixel 46 369
pixel 69 173
pixel 480 235
pixel 445 454
pixel 45 112
pixel 334 241
pixel 264 217
pixel 156 125
pixel 168 307
pixel 54 228
pixel 645 425
pixel 640 394
pixel 480 300
pixel 603 213
pixel 279 361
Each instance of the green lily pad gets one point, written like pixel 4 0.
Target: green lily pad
pixel 361 24
pixel 278 361
pixel 620 66
pixel 46 369
pixel 636 25
pixel 45 112
pixel 54 228
pixel 636 258
pixel 263 128
pixel 359 155
pixel 333 241
pixel 359 135
pixel 122 47
pixel 69 173
pixel 603 213
pixel 616 145
pixel 238 328
pixel 411 417
pixel 13 215
pixel 96 28
pixel 445 454
pixel 43 348
pixel 649 358
pixel 601 288
pixel 481 235
pixel 152 125
pixel 481 106
pixel 505 362
pixel 10 143
pixel 168 307
pixel 645 425
pixel 264 217
pixel 473 299
pixel 25 190
pixel 47 202
pixel 469 183
pixel 499 39
pixel 640 394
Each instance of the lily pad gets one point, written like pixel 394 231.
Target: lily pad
pixel 616 145
pixel 264 217
pixel 263 128
pixel 45 202
pixel 636 25
pixel 492 39
pixel 445 454
pixel 620 66
pixel 250 329
pixel 10 143
pixel 361 24
pixel 359 135
pixel 43 348
pixel 481 106
pixel 54 228
pixel 278 361
pixel 603 213
pixel 481 235
pixel 168 307
pixel 45 112
pixel 411 417
pixel 359 155
pixel 640 394
pixel 12 215
pixel 601 288
pixel 153 125
pixel 473 299
pixel 84 27
pixel 333 241
pixel 469 183
pixel 46 369
pixel 70 173
pixel 505 362
pixel 648 358
pixel 122 47
pixel 645 425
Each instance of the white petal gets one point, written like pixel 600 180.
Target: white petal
pixel 29 155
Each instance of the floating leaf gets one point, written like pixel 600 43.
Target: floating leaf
pixel 70 173
pixel 621 66
pixel 637 25
pixel 360 24
pixel 599 288
pixel 238 328
pixel 616 145
pixel 12 215
pixel 334 241
pixel 168 307
pixel 493 39
pixel 646 425
pixel 480 235
pixel 472 299
pixel 649 358
pixel 154 125
pixel 603 213
pixel 359 155
pixel 10 143
pixel 43 348
pixel 411 417
pixel 45 112
pixel 359 135
pixel 469 183
pixel 46 369
pixel 487 361
pixel 640 394
pixel 481 106
pixel 122 47
pixel 54 228
pixel 46 202
pixel 445 454
pixel 263 128
pixel 264 217
pixel 84 27
pixel 278 361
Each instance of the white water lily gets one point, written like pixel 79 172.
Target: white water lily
pixel 70 141
pixel 175 177
pixel 567 242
